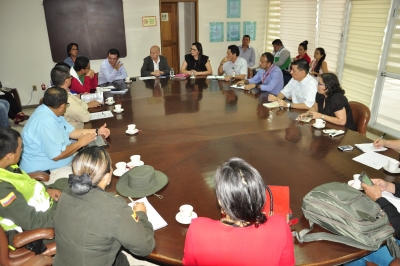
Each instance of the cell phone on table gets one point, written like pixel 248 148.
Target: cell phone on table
pixel 365 179
pixel 345 147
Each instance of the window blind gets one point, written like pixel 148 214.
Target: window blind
pixel 368 20
pixel 273 21
pixel 331 19
pixel 393 61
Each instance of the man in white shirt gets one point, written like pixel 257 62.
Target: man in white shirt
pixel 232 65
pixel 301 89
pixel 112 69
pixel 247 52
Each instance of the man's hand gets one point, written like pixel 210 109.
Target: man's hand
pixel 157 73
pixel 385 186
pixel 281 102
pixel 104 131
pixel 379 143
pixel 139 207
pixel 373 192
pixel 93 103
pixel 227 78
pixel 224 60
pixel 90 74
pixel 85 139
pixel 54 193
pixel 118 65
pixel 249 86
pixel 272 98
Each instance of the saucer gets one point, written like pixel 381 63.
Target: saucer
pixel 131 165
pixel 183 220
pixel 350 183
pixel 108 103
pixel 119 111
pixel 117 173
pixel 387 170
pixel 132 133
pixel 318 127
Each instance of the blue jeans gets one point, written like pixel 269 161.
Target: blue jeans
pixel 380 257
pixel 4 107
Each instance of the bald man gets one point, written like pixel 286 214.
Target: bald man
pixel 155 64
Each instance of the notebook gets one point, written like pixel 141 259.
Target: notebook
pixel 154 217
pixel 236 86
pixel 101 115
pixel 366 147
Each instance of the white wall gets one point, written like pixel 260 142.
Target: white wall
pixel 25 50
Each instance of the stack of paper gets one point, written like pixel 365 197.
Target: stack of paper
pixel 120 91
pixel 98 96
pixel 237 86
pixel 145 78
pixel 154 217
pixel 101 115
pixel 215 77
pixel 271 105
pixel 372 159
pixel 367 147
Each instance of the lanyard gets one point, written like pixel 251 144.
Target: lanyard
pixel 266 74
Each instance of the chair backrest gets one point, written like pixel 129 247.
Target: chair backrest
pixel 4 258
pixel 361 116
pixel 249 73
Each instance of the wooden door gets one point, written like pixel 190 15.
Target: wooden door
pixel 170 34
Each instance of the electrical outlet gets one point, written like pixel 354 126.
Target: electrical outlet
pixel 34 87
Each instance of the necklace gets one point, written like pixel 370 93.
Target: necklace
pixel 234 224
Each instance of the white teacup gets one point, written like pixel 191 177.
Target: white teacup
pixel 186 210
pixel 131 128
pixel 319 122
pixel 121 166
pixel 127 79
pixel 393 165
pixel 110 100
pixel 117 107
pixel 135 159
pixel 356 182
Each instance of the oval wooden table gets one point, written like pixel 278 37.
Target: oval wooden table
pixel 188 128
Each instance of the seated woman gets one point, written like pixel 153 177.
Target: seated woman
pixel 72 52
pixel 14 112
pixel 319 65
pixel 330 103
pixel 244 235
pixel 91 224
pixel 303 52
pixel 83 78
pixel 196 62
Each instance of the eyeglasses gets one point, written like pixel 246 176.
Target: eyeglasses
pixel 320 84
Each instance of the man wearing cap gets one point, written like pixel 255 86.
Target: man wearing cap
pixel 25 203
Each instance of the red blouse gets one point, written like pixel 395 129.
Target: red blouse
pixel 306 57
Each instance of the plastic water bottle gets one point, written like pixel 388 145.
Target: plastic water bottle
pixel 192 75
pixel 171 73
pixel 233 74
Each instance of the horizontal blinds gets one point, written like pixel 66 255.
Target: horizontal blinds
pixel 273 21
pixel 298 22
pixel 368 20
pixel 393 62
pixel 331 20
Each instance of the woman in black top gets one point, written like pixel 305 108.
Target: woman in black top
pixel 330 103
pixel 196 62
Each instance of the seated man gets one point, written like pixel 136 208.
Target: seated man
pixel 46 137
pixel 77 113
pixel 83 78
pixel 268 78
pixel 247 52
pixel 232 65
pixel 26 204
pixel 301 89
pixel 155 64
pixel 281 55
pixel 111 69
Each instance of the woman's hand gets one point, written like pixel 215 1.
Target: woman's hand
pixel 314 115
pixel 379 143
pixel 303 116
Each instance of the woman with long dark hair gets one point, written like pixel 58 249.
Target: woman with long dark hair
pixel 244 235
pixel 330 103
pixel 302 50
pixel 319 65
pixel 196 61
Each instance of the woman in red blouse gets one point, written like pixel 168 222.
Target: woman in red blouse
pixel 244 235
pixel 303 52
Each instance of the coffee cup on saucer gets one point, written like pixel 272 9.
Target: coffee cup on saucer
pixel 118 108
pixel 356 181
pixel 319 123
pixel 135 159
pixel 131 129
pixel 186 211
pixel 110 100
pixel 121 167
pixel 393 165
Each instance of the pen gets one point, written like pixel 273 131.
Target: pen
pixel 384 134
pixel 131 199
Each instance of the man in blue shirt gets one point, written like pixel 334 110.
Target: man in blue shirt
pixel 46 137
pixel 247 52
pixel 111 69
pixel 268 78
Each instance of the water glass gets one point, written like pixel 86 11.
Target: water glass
pixel 171 72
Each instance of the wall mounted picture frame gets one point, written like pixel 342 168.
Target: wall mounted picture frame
pixel 233 8
pixel 250 28
pixel 233 31
pixel 216 32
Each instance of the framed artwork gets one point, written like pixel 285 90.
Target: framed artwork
pixel 233 31
pixel 233 8
pixel 249 28
pixel 216 32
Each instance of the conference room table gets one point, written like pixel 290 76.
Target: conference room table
pixel 190 127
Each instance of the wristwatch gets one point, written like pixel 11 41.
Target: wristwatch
pixel 322 117
pixel 97 131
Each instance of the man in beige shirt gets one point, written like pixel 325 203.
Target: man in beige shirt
pixel 77 112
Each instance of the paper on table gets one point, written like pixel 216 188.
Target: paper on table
pixel 305 119
pixel 154 217
pixel 120 91
pixel 271 105
pixel 236 86
pixel 101 115
pixel 392 199
pixel 215 77
pixel 366 147
pixel 372 159
pixel 144 78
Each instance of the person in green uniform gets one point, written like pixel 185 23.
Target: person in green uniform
pixel 25 203
pixel 91 224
